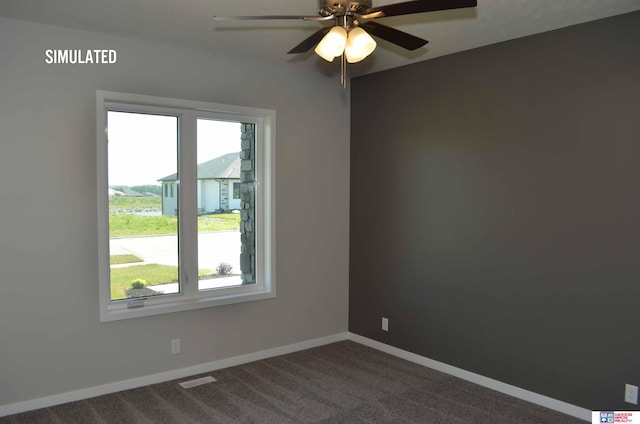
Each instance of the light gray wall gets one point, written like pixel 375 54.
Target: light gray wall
pixel 495 210
pixel 50 338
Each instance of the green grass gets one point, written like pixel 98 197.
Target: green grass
pixel 128 225
pixel 121 202
pixel 153 274
pixel 219 222
pixel 124 225
pixel 123 259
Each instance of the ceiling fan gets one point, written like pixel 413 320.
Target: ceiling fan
pixel 353 22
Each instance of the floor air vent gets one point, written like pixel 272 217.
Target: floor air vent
pixel 197 382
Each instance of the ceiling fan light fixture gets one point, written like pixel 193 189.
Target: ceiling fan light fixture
pixel 359 45
pixel 349 38
pixel 332 44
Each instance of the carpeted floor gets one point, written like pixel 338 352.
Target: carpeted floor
pixel 343 382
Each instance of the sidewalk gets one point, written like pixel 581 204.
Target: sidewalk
pixel 211 283
pixel 213 248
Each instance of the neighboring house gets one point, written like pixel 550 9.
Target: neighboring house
pixel 218 186
pixel 131 193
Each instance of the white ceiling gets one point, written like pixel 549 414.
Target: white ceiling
pixel 190 23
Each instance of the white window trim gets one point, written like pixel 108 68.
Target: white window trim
pixel 190 297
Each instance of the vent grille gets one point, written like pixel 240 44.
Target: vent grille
pixel 197 382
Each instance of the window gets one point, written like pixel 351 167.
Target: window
pixel 193 224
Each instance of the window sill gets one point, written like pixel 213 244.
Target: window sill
pixel 169 304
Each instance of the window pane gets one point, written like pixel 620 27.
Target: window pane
pixel 143 208
pixel 223 160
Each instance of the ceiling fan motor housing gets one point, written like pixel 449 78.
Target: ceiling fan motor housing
pixel 340 7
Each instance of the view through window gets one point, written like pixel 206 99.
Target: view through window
pixel 185 204
pixel 145 204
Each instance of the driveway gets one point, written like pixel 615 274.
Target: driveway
pixel 213 248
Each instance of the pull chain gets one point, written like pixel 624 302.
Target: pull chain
pixel 343 71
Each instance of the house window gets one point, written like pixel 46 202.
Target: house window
pixel 199 255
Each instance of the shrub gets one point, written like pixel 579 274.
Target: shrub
pixel 138 283
pixel 224 268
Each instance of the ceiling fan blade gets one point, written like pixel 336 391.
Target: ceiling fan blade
pixel 273 17
pixel 419 6
pixel 311 41
pixel 399 38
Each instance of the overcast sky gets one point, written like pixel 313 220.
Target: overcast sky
pixel 143 148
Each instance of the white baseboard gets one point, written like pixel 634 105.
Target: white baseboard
pixel 526 395
pixel 44 402
pixel 547 402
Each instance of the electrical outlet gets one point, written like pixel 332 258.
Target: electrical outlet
pixel 175 346
pixel 385 324
pixel 631 393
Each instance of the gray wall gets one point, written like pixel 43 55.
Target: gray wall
pixel 495 208
pixel 51 340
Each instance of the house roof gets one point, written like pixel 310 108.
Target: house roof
pixel 225 166
pixel 131 193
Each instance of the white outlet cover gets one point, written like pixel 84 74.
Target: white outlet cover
pixel 175 346
pixel 385 324
pixel 631 394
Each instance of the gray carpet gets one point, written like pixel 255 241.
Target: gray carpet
pixel 343 382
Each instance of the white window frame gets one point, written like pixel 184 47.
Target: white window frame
pixel 190 297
